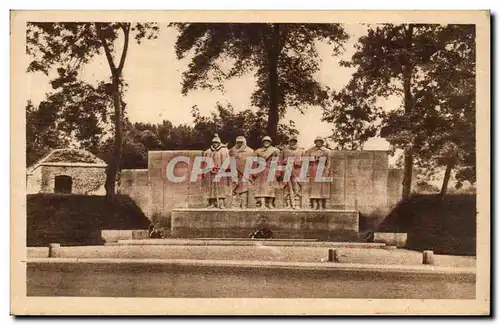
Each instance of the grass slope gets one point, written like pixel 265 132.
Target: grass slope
pixel 71 219
pixel 446 226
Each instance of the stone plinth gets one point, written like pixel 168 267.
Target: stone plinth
pixel 116 235
pixel 389 238
pixel 334 225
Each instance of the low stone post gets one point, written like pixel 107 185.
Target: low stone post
pixel 52 249
pixel 428 257
pixel 332 255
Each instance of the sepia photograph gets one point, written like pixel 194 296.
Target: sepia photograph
pixel 294 162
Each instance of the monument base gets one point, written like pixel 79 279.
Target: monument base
pixel 327 225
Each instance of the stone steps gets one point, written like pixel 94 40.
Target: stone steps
pixel 243 242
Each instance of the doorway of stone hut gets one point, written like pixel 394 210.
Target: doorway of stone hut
pixel 63 184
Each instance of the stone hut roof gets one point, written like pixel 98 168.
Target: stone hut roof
pixel 69 157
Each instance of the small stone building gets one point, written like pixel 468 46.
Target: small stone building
pixel 67 171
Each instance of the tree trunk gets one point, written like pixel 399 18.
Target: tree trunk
pixel 116 73
pixel 272 56
pixel 114 163
pixel 407 175
pixel 446 179
pixel 408 103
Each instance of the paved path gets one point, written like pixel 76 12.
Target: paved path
pixel 257 252
pixel 233 279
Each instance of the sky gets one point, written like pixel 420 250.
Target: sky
pixel 153 74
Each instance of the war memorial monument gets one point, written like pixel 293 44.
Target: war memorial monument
pixel 313 193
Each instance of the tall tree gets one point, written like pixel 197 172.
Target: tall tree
pixel 69 46
pixel 353 115
pixel 76 115
pixel 139 138
pixel 448 141
pixel 282 57
pixel 391 62
pixel 42 134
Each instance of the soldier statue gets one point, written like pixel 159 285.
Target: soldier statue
pixel 264 189
pixel 319 191
pixel 240 152
pixel 218 189
pixel 292 186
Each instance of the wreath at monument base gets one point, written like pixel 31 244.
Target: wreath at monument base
pixel 262 231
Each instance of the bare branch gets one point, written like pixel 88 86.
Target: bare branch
pixel 283 37
pixel 109 57
pixel 404 28
pixel 126 33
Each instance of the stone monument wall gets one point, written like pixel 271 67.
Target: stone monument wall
pixel 395 184
pixel 134 183
pixel 361 181
pixel 166 195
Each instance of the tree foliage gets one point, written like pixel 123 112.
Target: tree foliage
pixel 139 138
pixel 76 114
pixel 71 45
pixel 68 47
pixel 229 124
pixel 453 145
pixel 42 134
pixel 429 69
pixel 282 57
pixel 442 125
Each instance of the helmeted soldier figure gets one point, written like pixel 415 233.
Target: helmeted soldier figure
pixel 218 189
pixel 240 152
pixel 265 189
pixel 292 188
pixel 319 191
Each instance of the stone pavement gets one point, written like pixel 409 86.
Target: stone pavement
pixel 309 252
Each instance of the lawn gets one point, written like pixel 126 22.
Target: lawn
pixel 446 226
pixel 71 219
